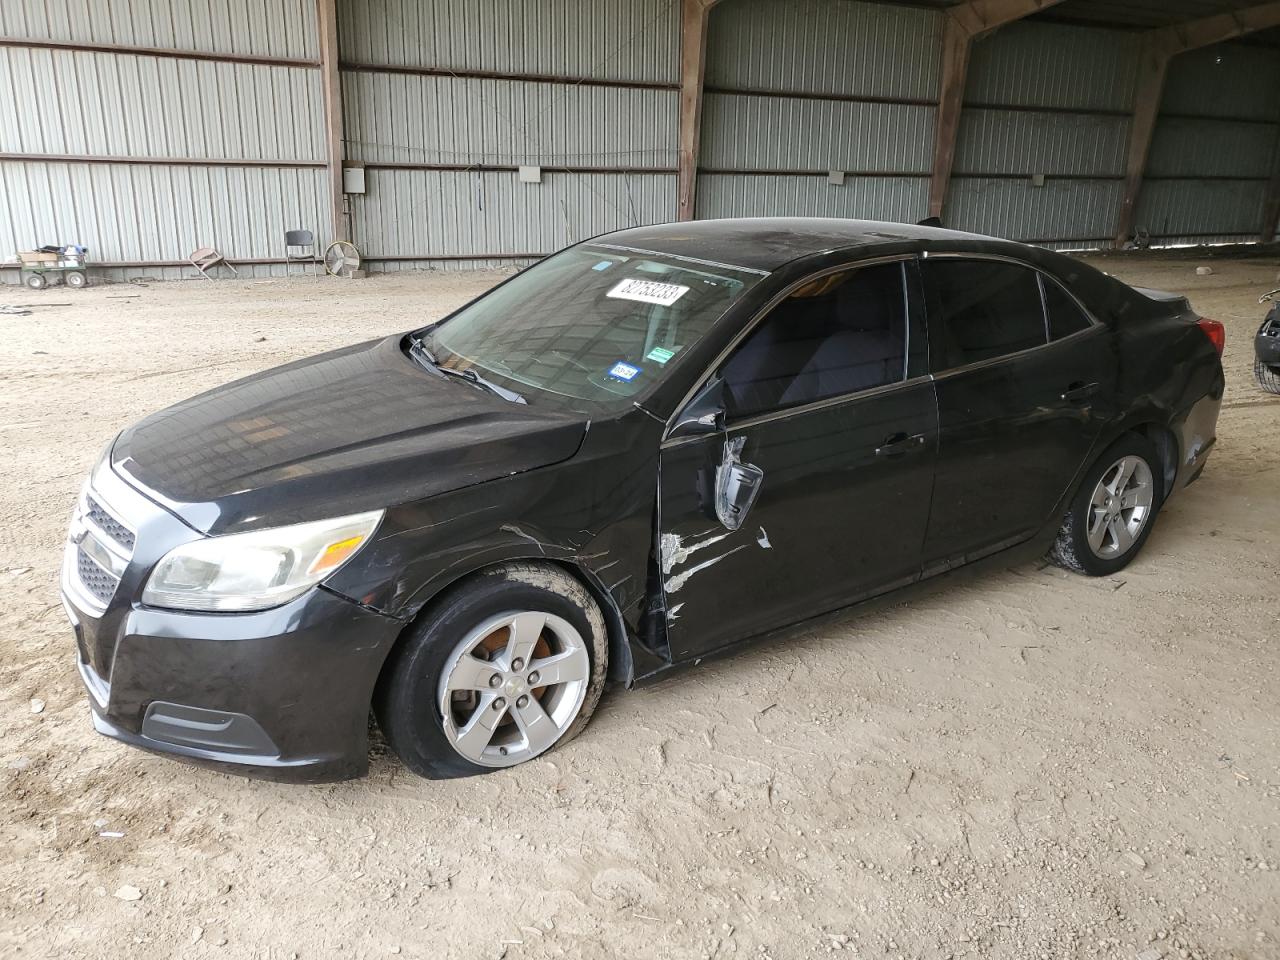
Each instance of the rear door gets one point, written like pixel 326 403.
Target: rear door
pixel 1024 383
pixel 816 492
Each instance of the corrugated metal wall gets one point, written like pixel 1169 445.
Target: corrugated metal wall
pixel 798 90
pixel 1215 146
pixel 1044 99
pixel 144 156
pixel 95 119
pixel 443 102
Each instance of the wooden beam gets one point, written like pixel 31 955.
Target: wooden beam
pixel 963 24
pixel 1271 206
pixel 327 22
pixel 1219 28
pixel 1158 47
pixel 694 16
pixel 1153 65
pixel 956 43
pixel 168 53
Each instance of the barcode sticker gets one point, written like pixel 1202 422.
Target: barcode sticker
pixel 648 291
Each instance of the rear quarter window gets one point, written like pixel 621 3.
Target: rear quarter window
pixel 1065 315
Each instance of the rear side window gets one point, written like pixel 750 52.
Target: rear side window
pixel 837 334
pixel 985 308
pixel 1065 315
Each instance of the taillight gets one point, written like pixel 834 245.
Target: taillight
pixel 1215 331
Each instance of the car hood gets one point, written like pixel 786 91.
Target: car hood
pixel 356 429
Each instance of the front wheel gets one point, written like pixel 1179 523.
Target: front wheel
pixel 1112 514
pixel 502 668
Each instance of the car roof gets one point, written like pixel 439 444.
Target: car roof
pixel 767 243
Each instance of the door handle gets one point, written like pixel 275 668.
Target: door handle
pixel 899 444
pixel 1079 392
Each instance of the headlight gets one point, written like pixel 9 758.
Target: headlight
pixel 254 571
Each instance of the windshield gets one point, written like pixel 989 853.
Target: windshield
pixel 592 326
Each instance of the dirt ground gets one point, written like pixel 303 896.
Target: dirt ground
pixel 1021 764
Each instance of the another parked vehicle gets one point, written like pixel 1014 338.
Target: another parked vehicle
pixel 642 451
pixel 1266 347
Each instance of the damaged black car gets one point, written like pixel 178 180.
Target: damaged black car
pixel 642 451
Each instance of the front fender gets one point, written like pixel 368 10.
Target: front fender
pixel 592 514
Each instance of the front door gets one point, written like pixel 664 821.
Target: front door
pixel 816 493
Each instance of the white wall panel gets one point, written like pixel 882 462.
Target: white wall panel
pixel 398 118
pixel 109 104
pixel 444 212
pixel 901 199
pixel 270 28
pixel 150 212
pixel 606 39
pixel 825 46
pixel 782 133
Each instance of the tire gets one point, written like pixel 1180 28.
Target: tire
pixel 420 682
pixel 76 278
pixel 1268 377
pixel 1121 541
pixel 37 281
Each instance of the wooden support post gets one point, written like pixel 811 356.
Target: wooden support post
pixel 1271 206
pixel 1153 65
pixel 963 24
pixel 1157 49
pixel 694 16
pixel 956 43
pixel 327 23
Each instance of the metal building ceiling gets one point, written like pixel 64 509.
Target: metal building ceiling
pixel 1130 14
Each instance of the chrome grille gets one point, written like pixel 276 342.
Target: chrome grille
pixel 109 525
pixel 99 547
pixel 100 584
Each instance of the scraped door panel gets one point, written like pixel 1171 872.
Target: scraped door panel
pixel 840 515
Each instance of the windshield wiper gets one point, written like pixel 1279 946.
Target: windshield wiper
pixel 426 359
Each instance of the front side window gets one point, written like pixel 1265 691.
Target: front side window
pixel 836 334
pixel 984 308
pixel 590 327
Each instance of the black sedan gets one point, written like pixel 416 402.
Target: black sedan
pixel 639 452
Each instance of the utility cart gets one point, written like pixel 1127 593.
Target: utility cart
pixel 66 264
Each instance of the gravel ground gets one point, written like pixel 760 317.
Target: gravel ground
pixel 1022 763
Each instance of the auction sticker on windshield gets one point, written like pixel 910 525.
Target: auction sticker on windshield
pixel 648 291
pixel 624 371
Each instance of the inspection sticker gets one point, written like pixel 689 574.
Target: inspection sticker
pixel 648 291
pixel 659 354
pixel 624 371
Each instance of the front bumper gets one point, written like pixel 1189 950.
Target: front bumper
pixel 281 693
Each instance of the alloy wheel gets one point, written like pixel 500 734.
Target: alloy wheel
pixel 513 686
pixel 1120 507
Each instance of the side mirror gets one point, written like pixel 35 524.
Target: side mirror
pixel 703 414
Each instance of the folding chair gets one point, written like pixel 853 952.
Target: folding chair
pixel 305 244
pixel 206 258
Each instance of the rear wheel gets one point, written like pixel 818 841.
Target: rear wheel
pixel 1268 377
pixel 37 281
pixel 1112 514
pixel 503 668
